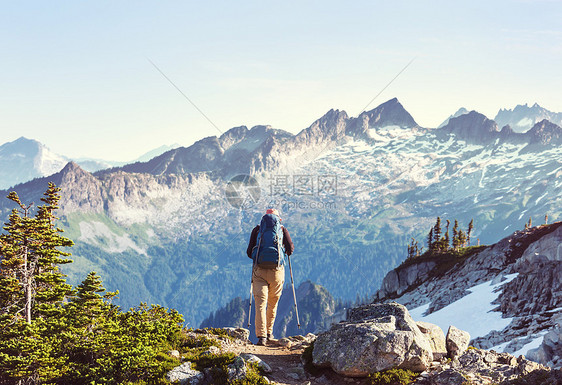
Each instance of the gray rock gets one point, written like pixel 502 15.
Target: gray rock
pixel 238 333
pixel 376 337
pixel 285 342
pixel 185 375
pixel 237 370
pixel 479 367
pixel 397 281
pixel 449 377
pixel 436 339
pixel 174 353
pixel 211 350
pixel 457 342
pixel 250 358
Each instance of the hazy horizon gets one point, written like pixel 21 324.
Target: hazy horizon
pixel 78 77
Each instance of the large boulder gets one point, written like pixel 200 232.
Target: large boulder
pixel 436 339
pixel 457 342
pixel 375 337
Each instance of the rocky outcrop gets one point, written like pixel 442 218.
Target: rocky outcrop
pixel 550 350
pixel 436 339
pixel 374 338
pixel 397 281
pixel 532 298
pixel 479 367
pixel 457 342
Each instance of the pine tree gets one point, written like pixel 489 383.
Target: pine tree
pixel 437 233
pixel 456 235
pixel 446 239
pixel 430 240
pixel 462 239
pixel 469 231
pixel 413 249
pixel 32 291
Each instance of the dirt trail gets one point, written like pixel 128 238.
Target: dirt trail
pixel 288 368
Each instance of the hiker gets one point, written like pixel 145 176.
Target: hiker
pixel 268 275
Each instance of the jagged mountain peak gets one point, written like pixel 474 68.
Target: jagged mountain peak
pixel 333 114
pixel 473 127
pixel 72 168
pixel 522 117
pixel 389 113
pixel 460 111
pixel 546 132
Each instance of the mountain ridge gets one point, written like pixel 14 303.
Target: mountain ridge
pixel 351 199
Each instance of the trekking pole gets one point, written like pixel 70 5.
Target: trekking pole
pixel 294 295
pixel 251 293
pixel 252 283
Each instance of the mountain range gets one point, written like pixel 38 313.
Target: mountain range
pixel 25 159
pixel 352 191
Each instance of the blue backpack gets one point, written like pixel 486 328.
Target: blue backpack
pixel 269 251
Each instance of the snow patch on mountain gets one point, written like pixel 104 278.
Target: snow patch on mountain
pixel 98 234
pixel 473 312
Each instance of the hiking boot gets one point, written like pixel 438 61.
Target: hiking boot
pixel 262 341
pixel 270 338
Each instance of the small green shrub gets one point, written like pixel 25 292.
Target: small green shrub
pixel 217 332
pixel 201 361
pixel 393 377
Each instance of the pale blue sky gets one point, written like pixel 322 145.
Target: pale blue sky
pixel 76 76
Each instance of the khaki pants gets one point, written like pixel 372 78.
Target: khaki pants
pixel 267 285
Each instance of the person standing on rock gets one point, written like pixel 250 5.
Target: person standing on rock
pixel 269 243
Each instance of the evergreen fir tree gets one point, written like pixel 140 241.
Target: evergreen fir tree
pixel 437 233
pixel 446 240
pixel 462 239
pixel 469 231
pixel 456 235
pixel 32 291
pixel 430 240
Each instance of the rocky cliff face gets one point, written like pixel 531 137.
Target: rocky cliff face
pixel 532 298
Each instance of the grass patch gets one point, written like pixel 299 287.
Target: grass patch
pixel 393 377
pixel 202 361
pixel 219 332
